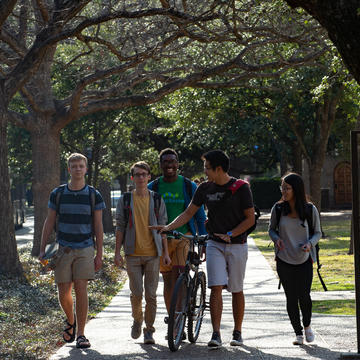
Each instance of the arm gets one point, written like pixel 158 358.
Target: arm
pixel 166 258
pixel 317 227
pixel 119 236
pixel 99 235
pixel 48 228
pixel 273 231
pixel 183 218
pixel 200 216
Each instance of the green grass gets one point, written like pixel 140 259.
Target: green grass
pixel 337 266
pixel 31 321
pixel 334 307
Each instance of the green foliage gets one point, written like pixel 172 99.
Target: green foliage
pixel 265 191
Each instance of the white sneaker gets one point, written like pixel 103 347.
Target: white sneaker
pixel 299 340
pixel 309 335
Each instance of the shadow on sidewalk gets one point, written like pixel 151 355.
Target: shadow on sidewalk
pixel 194 351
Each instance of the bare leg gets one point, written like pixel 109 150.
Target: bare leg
pixel 67 303
pixel 238 304
pixel 216 307
pixel 167 277
pixel 82 304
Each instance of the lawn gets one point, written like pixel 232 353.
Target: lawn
pixel 31 321
pixel 337 266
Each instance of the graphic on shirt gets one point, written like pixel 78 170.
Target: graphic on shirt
pixel 215 197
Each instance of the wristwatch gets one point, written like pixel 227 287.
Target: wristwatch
pixel 229 233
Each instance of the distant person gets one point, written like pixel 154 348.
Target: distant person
pixel 135 212
pixel 78 221
pixel 29 197
pixel 230 213
pixel 295 251
pixel 197 181
pixel 177 191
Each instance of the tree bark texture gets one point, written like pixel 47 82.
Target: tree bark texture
pixel 342 21
pixel 9 259
pixel 46 170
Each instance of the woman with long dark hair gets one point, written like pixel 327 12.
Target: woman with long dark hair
pixel 295 251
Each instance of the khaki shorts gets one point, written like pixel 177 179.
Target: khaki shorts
pixel 178 251
pixel 76 264
pixel 226 264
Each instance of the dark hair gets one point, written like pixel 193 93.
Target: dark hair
pixel 168 151
pixel 297 184
pixel 140 164
pixel 217 158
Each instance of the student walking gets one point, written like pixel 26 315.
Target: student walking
pixel 79 210
pixel 135 212
pixel 230 214
pixel 295 251
pixel 177 191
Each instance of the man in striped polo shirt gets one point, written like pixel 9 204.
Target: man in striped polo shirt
pixel 79 210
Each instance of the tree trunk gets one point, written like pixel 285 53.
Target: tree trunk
pixel 342 21
pixel 9 258
pixel 123 182
pixel 297 159
pixel 315 183
pixel 46 172
pixel 104 188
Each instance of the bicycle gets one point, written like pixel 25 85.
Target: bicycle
pixel 189 296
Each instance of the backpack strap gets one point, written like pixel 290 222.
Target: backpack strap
pixel 309 219
pixel 92 194
pixel 157 203
pixel 188 187
pixel 59 192
pixel 155 185
pixel 127 208
pixel 236 185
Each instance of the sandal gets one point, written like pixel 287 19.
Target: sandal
pixel 82 342
pixel 67 329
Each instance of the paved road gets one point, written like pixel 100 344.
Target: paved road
pixel 267 331
pixel 25 235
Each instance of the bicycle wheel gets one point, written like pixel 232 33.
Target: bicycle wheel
pixel 178 311
pixel 197 307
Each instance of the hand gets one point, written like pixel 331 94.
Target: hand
pixel 306 247
pixel 41 255
pixel 166 259
pixel 159 228
pixel 98 262
pixel 224 237
pixel 203 254
pixel 280 244
pixel 118 260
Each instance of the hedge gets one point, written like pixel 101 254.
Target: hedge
pixel 265 191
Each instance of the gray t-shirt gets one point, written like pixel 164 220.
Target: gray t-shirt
pixel 294 234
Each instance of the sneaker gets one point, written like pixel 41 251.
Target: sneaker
pixel 148 338
pixel 309 335
pixel 136 329
pixel 215 341
pixel 299 340
pixel 236 339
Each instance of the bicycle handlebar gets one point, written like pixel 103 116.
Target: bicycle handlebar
pixel 178 235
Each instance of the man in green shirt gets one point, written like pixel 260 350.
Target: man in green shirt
pixel 177 192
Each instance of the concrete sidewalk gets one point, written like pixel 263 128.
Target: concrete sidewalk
pixel 267 331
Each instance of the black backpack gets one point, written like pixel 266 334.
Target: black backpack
pixel 237 184
pixel 127 207
pixel 309 219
